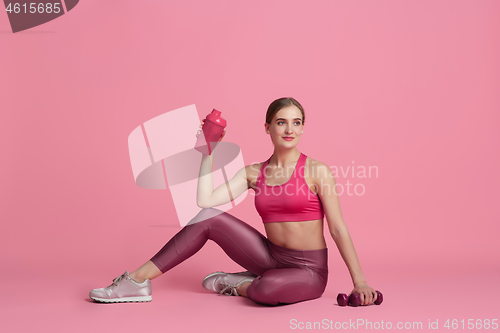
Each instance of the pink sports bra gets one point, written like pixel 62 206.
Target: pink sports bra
pixel 291 201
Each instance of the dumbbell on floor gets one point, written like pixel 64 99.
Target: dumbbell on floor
pixel 355 299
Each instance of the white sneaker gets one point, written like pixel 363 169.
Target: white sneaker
pixel 123 289
pixel 226 283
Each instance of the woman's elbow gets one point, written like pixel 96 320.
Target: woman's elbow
pixel 203 204
pixel 339 232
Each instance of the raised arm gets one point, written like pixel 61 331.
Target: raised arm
pixel 325 181
pixel 207 197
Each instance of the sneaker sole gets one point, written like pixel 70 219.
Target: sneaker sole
pixel 123 299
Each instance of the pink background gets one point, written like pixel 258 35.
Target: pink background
pixel 408 86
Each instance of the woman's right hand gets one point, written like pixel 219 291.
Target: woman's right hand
pixel 222 135
pixel 201 127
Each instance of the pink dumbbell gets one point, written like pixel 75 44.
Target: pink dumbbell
pixel 355 299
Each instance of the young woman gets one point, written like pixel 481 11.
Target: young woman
pixel 292 195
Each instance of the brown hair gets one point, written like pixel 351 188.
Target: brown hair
pixel 279 104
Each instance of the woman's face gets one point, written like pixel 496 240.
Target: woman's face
pixel 287 123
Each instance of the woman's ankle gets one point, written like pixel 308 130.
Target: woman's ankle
pixel 242 289
pixel 134 276
pixel 146 271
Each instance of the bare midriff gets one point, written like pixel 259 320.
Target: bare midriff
pixel 297 235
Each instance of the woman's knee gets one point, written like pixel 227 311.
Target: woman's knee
pixel 206 214
pixel 286 289
pixel 260 293
pixel 214 223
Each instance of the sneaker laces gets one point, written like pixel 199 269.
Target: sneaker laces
pixel 228 290
pixel 116 280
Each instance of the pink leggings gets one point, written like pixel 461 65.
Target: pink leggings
pixel 283 275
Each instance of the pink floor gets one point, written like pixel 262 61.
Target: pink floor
pixel 45 299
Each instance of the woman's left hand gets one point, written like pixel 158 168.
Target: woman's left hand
pixel 367 294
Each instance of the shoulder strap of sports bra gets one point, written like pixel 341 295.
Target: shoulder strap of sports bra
pixel 301 165
pixel 261 171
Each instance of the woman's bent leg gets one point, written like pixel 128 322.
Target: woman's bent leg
pixel 286 285
pixel 299 275
pixel 241 242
